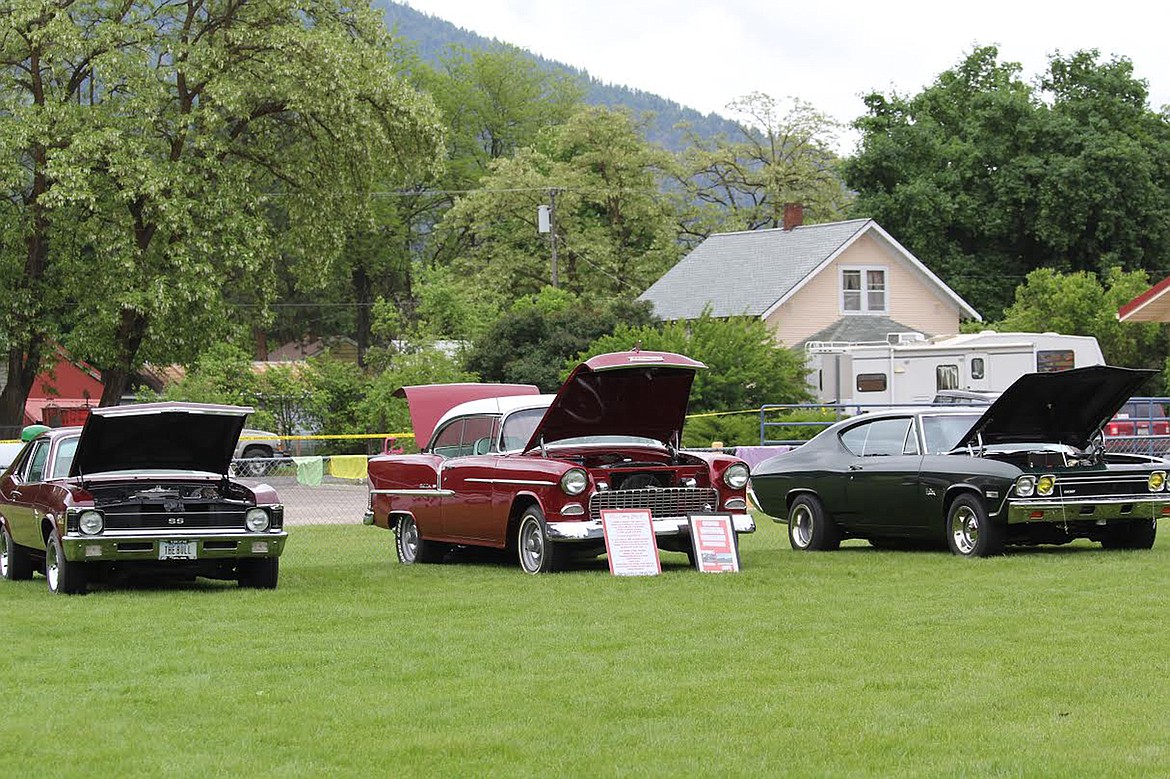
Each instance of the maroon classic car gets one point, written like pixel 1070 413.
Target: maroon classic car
pixel 139 490
pixel 502 466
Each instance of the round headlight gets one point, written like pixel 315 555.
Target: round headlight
pixel 91 523
pixel 1026 486
pixel 1045 484
pixel 256 520
pixel 736 476
pixel 1156 481
pixel 574 481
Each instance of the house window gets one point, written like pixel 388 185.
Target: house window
pixel 863 290
pixel 946 377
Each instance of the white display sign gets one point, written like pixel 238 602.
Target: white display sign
pixel 629 542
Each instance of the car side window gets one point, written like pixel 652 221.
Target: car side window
pixel 36 462
pixel 477 435
pixel 879 438
pixel 446 442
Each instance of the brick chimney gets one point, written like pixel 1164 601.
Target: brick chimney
pixel 793 215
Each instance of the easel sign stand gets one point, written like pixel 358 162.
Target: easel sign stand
pixel 629 542
pixel 713 539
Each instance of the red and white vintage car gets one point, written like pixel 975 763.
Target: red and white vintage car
pixel 502 466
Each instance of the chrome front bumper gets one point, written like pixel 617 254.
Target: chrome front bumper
pixel 591 530
pixel 124 545
pixel 1089 510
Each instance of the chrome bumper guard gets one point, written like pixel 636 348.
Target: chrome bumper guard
pixel 124 545
pixel 591 530
pixel 1102 509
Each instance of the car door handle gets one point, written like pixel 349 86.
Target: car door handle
pixel 855 467
pixel 15 494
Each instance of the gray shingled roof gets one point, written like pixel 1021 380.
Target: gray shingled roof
pixel 858 328
pixel 744 274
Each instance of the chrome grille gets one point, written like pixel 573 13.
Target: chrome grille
pixel 1101 486
pixel 667 502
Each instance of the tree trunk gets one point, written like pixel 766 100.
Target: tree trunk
pixel 128 339
pixel 22 372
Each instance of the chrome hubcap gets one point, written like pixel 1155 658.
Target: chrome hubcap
pixel 3 554
pixel 408 538
pixel 965 530
pixel 531 545
pixel 801 522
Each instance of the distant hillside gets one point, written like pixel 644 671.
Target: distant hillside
pixel 432 36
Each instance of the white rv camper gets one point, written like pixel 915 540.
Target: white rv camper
pixel 910 368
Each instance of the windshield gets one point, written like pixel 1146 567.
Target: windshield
pixel 519 427
pixel 943 432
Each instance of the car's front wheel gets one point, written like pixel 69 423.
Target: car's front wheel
pixel 259 573
pixel 1137 534
pixel 64 577
pixel 970 532
pixel 810 528
pixel 538 553
pixel 15 562
pixel 411 547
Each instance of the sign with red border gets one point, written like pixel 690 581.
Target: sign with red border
pixel 630 543
pixel 713 539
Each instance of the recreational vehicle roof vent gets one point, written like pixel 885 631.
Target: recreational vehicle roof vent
pixel 905 338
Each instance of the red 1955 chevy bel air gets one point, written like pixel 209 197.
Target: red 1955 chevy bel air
pixel 503 466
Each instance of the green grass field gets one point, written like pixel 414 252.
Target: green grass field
pixel 1046 662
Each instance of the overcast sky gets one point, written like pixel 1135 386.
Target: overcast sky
pixel 705 53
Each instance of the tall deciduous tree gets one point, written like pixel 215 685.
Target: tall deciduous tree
pixel 782 154
pixel 613 230
pixel 191 128
pixel 986 178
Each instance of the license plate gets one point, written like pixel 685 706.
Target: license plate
pixel 177 550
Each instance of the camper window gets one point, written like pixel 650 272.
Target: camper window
pixel 1052 360
pixel 871 382
pixel 946 377
pixel 977 369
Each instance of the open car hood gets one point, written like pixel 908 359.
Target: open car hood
pixel 429 402
pixel 1065 407
pixel 150 436
pixel 624 393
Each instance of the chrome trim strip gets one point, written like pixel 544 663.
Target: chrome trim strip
pixel 1143 507
pixel 528 482
pixel 177 532
pixel 441 493
pixel 591 529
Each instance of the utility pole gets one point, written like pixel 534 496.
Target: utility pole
pixel 547 223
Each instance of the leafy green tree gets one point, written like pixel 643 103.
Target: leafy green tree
pixel 1079 303
pixel 745 367
pixel 986 178
pixel 202 142
pixel 613 230
pixel 531 342
pixel 781 154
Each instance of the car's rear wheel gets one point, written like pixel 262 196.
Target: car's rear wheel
pixel 810 528
pixel 411 547
pixel 15 561
pixel 1138 534
pixel 970 532
pixel 538 553
pixel 256 462
pixel 64 577
pixel 259 573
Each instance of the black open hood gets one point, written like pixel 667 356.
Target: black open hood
pixel 1065 407
pixel 154 436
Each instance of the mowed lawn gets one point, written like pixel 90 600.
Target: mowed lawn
pixel 1048 662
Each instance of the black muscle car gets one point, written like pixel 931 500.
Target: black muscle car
pixel 1028 469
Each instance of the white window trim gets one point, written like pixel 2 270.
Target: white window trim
pixel 865 309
